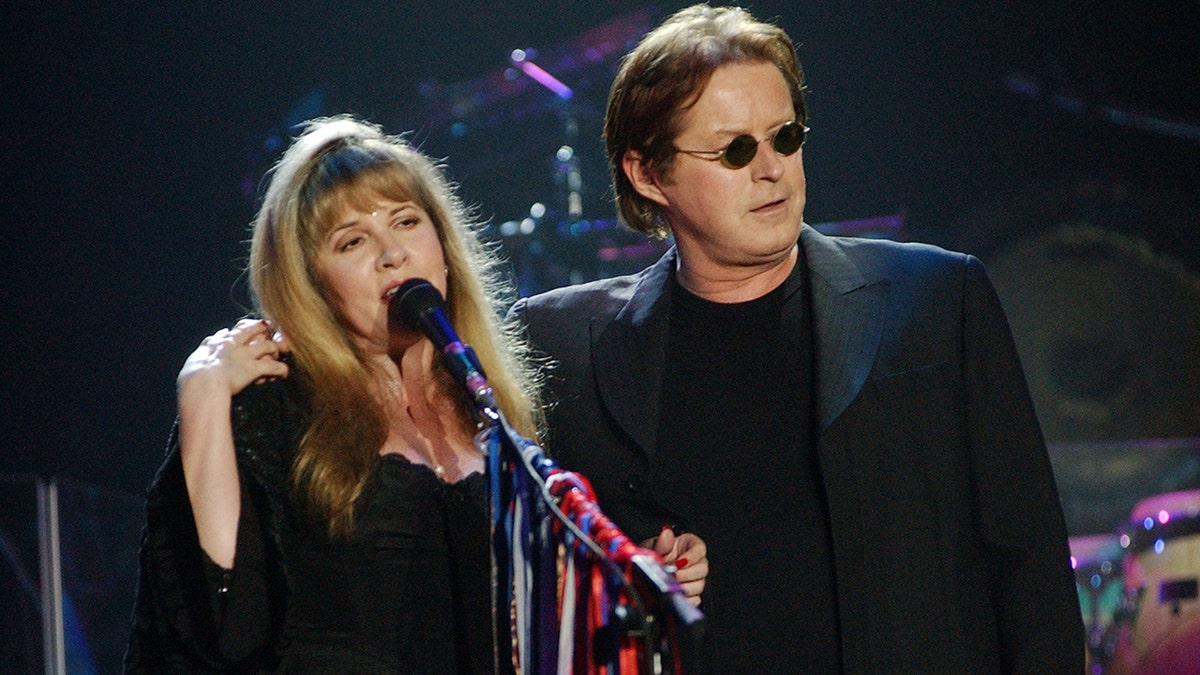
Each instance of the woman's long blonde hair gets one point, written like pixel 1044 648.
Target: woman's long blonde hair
pixel 342 161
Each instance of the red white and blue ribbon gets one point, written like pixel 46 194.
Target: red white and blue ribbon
pixel 575 593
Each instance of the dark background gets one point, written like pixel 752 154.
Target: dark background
pixel 134 137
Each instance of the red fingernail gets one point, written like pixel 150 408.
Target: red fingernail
pixel 681 563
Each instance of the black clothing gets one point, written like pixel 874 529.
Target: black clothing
pixel 735 429
pixel 407 592
pixel 945 526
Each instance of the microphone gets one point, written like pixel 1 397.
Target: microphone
pixel 419 305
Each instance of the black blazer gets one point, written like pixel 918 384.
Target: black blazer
pixel 948 535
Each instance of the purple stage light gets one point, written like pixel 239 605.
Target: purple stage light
pixel 540 75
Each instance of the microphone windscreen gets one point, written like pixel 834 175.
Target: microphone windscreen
pixel 412 300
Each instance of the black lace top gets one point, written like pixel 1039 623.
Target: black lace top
pixel 408 592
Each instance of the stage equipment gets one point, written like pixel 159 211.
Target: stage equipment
pixel 1108 329
pixel 530 130
pixel 1138 588
pixel 1100 278
pixel 68 574
pixel 1111 112
pixel 1100 482
pixel 1108 332
pixel 499 98
pixel 1098 561
pixel 571 592
pixel 1158 630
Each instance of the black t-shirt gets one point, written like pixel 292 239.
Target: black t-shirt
pixel 735 456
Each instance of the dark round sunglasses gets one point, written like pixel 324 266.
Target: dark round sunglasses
pixel 742 149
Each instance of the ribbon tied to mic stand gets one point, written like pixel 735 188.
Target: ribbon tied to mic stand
pixel 571 593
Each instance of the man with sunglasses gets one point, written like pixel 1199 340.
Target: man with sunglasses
pixel 844 422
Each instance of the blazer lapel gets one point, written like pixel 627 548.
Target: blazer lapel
pixel 628 355
pixel 848 317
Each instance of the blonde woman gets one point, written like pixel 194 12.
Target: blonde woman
pixel 321 507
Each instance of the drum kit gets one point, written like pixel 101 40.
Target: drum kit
pixel 1138 589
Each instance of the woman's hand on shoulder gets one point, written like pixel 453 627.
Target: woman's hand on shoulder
pixel 229 360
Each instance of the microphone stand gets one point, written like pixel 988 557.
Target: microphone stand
pixel 545 522
pixel 651 613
